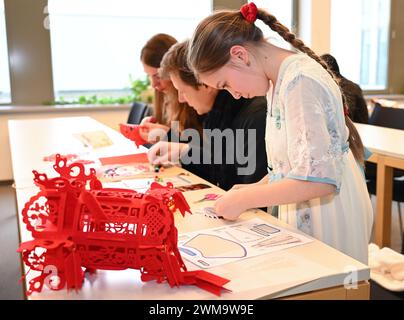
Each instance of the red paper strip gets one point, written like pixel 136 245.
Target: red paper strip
pixel 130 158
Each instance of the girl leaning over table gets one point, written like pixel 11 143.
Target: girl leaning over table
pixel 314 151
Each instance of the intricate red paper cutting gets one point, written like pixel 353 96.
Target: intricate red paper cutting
pixel 79 226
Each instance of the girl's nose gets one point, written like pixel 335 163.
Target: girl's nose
pixel 236 95
pixel 181 97
pixel 155 83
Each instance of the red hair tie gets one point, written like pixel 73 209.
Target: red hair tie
pixel 346 111
pixel 249 12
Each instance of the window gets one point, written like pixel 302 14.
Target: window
pixel 96 43
pixel 360 40
pixel 5 96
pixel 283 11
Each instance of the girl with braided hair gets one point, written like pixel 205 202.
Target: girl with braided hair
pixel 314 151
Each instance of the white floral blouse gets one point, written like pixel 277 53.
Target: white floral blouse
pixel 306 139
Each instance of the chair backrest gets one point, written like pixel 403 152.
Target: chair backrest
pixel 387 117
pixel 138 111
pixel 390 118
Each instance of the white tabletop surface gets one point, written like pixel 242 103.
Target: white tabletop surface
pixel 384 141
pixel 277 274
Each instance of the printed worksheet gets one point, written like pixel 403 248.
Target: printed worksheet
pixel 217 246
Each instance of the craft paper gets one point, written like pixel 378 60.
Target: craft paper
pixel 130 158
pixel 115 172
pixel 94 139
pixel 132 132
pixel 70 157
pixel 214 247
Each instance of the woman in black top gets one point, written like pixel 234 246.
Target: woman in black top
pixel 223 164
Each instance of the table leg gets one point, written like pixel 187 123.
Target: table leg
pixel 384 195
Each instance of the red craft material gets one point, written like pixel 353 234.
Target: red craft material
pixel 130 158
pixel 77 228
pixel 132 132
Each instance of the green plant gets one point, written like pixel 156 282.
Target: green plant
pixel 139 92
pixel 138 87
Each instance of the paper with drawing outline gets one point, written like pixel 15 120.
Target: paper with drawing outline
pixel 217 246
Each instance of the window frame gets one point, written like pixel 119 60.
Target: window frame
pixel 7 62
pixel 45 83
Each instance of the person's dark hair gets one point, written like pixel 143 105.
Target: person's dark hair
pixel 332 63
pixel 152 54
pixel 175 61
pixel 153 51
pixel 209 50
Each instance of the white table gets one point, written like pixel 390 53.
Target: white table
pixel 274 275
pixel 387 146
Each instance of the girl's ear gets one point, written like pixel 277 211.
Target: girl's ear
pixel 240 54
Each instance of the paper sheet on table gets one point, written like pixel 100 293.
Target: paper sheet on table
pixel 217 246
pixel 95 139
pixel 142 185
pixel 118 172
pixel 271 275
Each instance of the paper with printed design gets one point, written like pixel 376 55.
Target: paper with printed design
pixel 217 246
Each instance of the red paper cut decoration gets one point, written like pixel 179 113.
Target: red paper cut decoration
pixel 132 132
pixel 75 227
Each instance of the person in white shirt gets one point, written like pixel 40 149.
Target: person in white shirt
pixel 314 151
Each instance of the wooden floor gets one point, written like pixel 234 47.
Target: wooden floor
pixel 10 288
